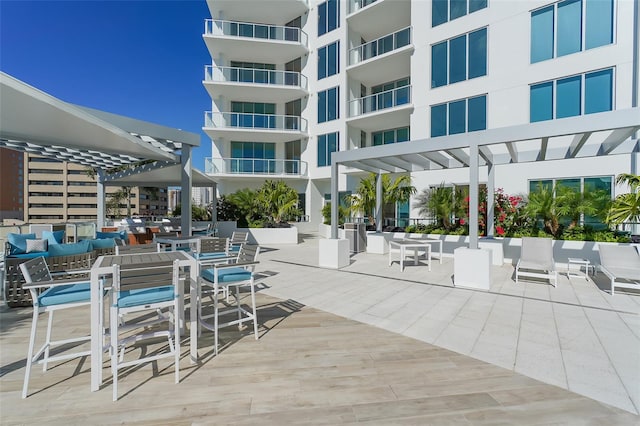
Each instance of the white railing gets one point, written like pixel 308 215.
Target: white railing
pixel 380 46
pixel 256 76
pixel 217 27
pixel 243 120
pixel 379 101
pixel 255 166
pixel 356 5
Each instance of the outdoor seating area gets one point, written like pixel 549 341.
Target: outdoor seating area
pixel 323 354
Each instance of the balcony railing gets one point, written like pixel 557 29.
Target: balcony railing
pixel 380 46
pixel 254 121
pixel 356 5
pixel 216 27
pixel 257 76
pixel 255 166
pixel 379 101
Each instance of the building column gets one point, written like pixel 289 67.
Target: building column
pixel 186 183
pixel 379 195
pixel 101 202
pixel 473 195
pixel 334 200
pixel 491 189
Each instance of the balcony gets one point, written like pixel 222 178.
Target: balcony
pixel 383 110
pixel 254 127
pixel 384 59
pixel 373 18
pixel 255 167
pixel 257 85
pixel 275 12
pixel 260 42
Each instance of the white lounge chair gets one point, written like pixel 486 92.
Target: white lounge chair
pixel 537 255
pixel 621 264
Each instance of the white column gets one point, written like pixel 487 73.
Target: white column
pixel 473 195
pixel 186 182
pixel 379 195
pixel 334 200
pixel 100 196
pixel 491 189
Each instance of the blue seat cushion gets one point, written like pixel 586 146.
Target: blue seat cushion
pixel 100 243
pixel 234 249
pixel 18 242
pixel 53 237
pixel 81 247
pixel 120 234
pixel 227 275
pixel 205 256
pixel 145 296
pixel 63 294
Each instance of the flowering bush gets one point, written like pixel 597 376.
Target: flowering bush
pixel 509 215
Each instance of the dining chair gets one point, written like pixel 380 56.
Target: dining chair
pixel 237 273
pixel 49 295
pixel 237 240
pixel 137 288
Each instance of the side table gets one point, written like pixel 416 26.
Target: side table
pixel 580 262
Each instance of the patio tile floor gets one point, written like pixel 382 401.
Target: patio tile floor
pixel 367 344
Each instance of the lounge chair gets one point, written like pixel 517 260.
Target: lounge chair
pixel 621 264
pixel 537 255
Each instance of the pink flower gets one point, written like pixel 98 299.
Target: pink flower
pixel 499 230
pixel 462 222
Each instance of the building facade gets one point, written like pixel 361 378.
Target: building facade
pixel 293 81
pixel 52 191
pixel 11 184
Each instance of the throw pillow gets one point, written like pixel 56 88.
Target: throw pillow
pixel 34 246
pixel 19 242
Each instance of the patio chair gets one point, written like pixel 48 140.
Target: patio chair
pixel 237 240
pixel 213 250
pixel 537 255
pixel 57 295
pixel 137 288
pixel 237 273
pixel 621 264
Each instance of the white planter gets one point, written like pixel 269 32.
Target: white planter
pixel 472 268
pixel 265 236
pixel 325 231
pixel 333 254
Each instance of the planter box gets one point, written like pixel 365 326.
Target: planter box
pixel 260 236
pixel 325 231
pixel 333 254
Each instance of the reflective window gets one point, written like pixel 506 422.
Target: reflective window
pixel 449 62
pixel 560 29
pixel 576 95
pixel 464 115
pixel 328 16
pixel 388 136
pixel 328 60
pixel 327 144
pixel 447 10
pixel 328 108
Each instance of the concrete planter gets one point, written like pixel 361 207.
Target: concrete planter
pixel 261 236
pixel 325 231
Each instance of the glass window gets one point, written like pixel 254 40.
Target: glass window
pixel 438 120
pixel 542 34
pixel 439 64
pixel 538 185
pixel 322 18
pixel 377 138
pixel 478 53
pixel 569 27
pixel 568 99
pixel 322 106
pixel 439 12
pixel 477 113
pixel 322 63
pixel 402 135
pixel 458 8
pixel 328 16
pixel 598 91
pixel 541 102
pixel 327 144
pixel 475 5
pixel 328 108
pixel 390 136
pixel 333 58
pixel 599 25
pixel 457 117
pixel 458 59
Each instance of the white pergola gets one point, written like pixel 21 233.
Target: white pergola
pixel 36 122
pixel 593 135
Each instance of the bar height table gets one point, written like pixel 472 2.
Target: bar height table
pixel 103 268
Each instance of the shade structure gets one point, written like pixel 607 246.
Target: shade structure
pixel 158 175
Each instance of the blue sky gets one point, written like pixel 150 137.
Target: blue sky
pixel 142 59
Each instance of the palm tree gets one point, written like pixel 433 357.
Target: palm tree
pixel 542 204
pixel 437 202
pixel 246 202
pixel 278 200
pixel 394 191
pixel 572 204
pixel 626 207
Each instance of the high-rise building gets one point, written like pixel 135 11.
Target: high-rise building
pixel 11 184
pixel 52 191
pixel 292 81
pixel 201 196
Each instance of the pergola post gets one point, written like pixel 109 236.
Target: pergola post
pixel 334 200
pixel 491 189
pixel 101 202
pixel 214 204
pixel 186 183
pixel 379 196
pixel 473 194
